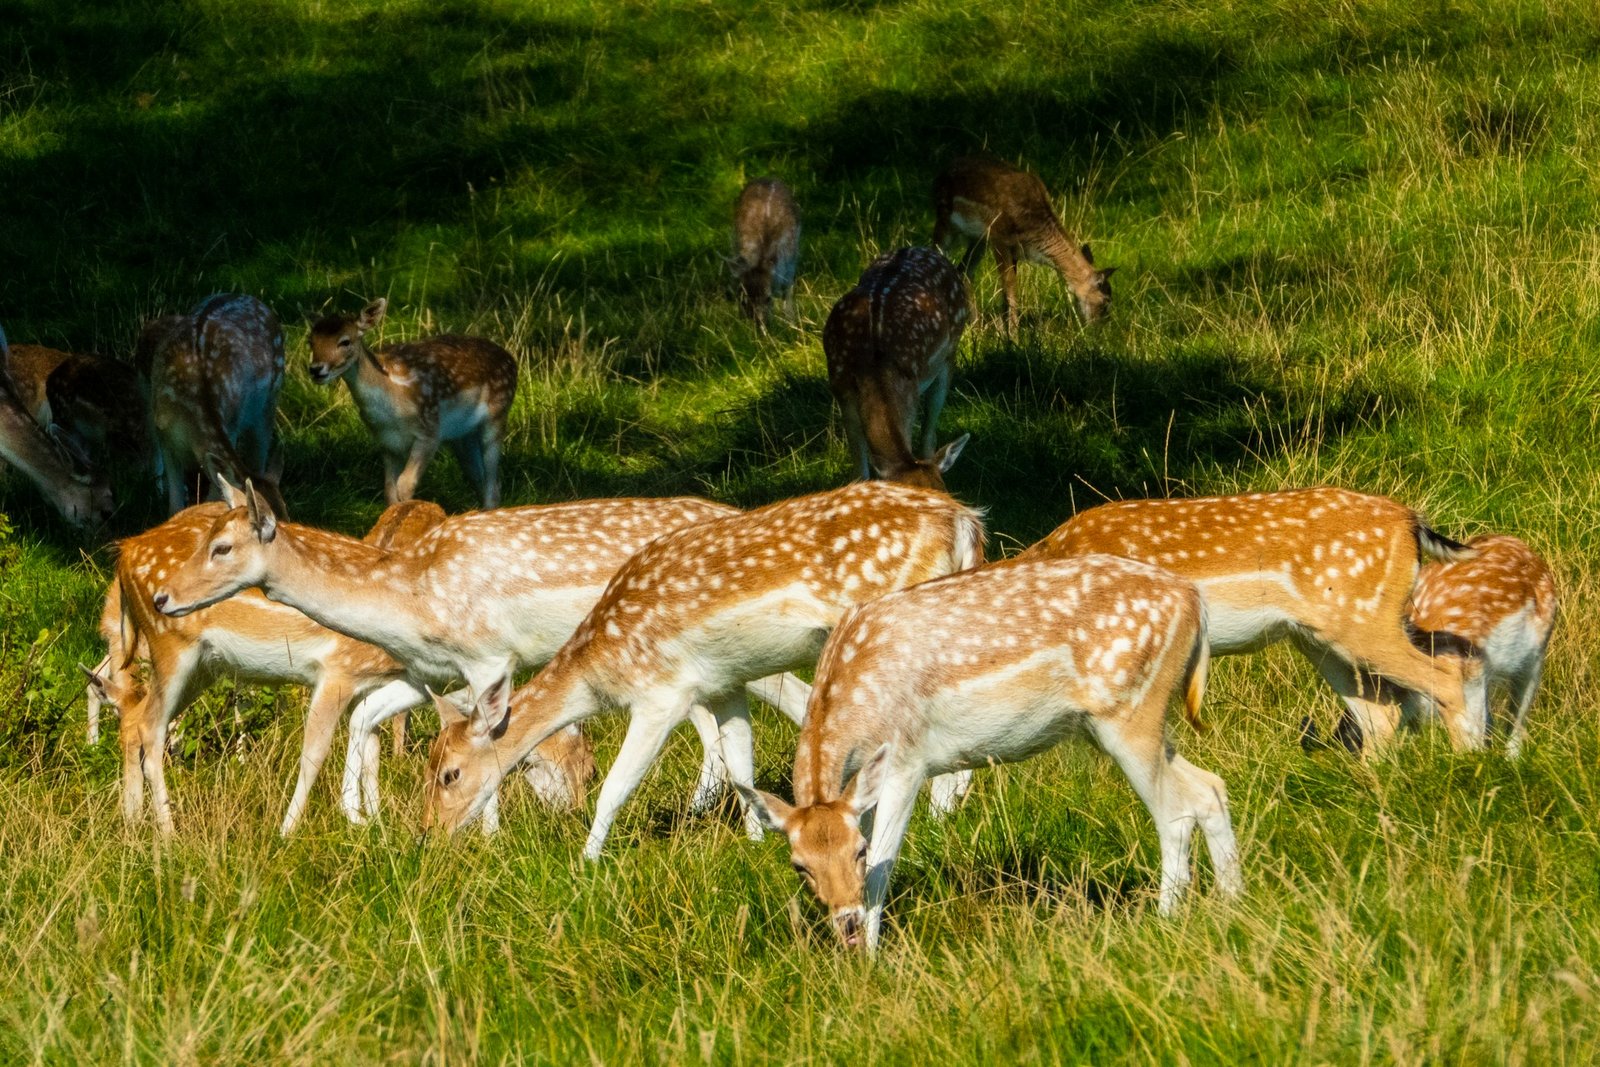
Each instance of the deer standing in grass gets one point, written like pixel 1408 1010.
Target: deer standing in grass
pixel 476 597
pixel 889 343
pixel 256 641
pixel 416 394
pixel 689 620
pixel 995 666
pixel 766 248
pixel 1329 569
pixel 96 402
pixel 215 376
pixel 47 459
pixel 994 204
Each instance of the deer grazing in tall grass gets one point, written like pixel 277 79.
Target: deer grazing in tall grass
pixel 215 375
pixel 994 204
pixel 689 620
pixel 415 395
pixel 889 343
pixel 476 597
pixel 95 402
pixel 995 666
pixel 766 248
pixel 254 640
pixel 1328 569
pixel 48 458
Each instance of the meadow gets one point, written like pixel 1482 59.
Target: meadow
pixel 1359 244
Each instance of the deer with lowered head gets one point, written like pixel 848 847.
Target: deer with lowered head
pixel 215 375
pixel 255 640
pixel 995 666
pixel 993 204
pixel 48 458
pixel 889 344
pixel 415 395
pixel 95 402
pixel 690 620
pixel 1330 570
pixel 766 248
pixel 476 597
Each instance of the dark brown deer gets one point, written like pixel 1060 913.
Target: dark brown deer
pixel 47 458
pixel 94 401
pixel 993 203
pixel 214 379
pixel 889 343
pixel 416 394
pixel 766 248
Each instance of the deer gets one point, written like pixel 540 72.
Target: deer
pixel 993 204
pixel 215 376
pixel 48 458
pixel 479 595
pixel 690 619
pixel 994 666
pixel 1329 569
pixel 889 343
pixel 255 640
pixel 1489 617
pixel 90 399
pixel 766 248
pixel 416 394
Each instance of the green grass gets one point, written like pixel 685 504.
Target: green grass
pixel 1358 245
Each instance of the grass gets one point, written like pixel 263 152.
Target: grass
pixel 1358 245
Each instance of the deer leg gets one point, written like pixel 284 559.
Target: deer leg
pixel 946 792
pixel 1205 799
pixel 713 772
pixel 785 692
pixel 397 734
pixel 651 722
pixel 1374 719
pixel 489 448
pixel 177 490
pixel 469 454
pixel 422 450
pixel 738 752
pixel 359 792
pixel 970 261
pixel 92 701
pixel 1439 677
pixel 1140 753
pixel 393 464
pixel 932 407
pixel 1524 685
pixel 327 700
pixel 1005 260
pixel 889 821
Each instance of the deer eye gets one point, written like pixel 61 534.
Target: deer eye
pixel 221 549
pixel 344 342
pixel 799 868
pixel 450 777
pixel 861 853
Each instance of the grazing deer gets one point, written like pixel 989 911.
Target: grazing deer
pixel 214 379
pixel 1329 569
pixel 766 248
pixel 48 458
pixel 689 620
pixel 253 640
pixel 995 666
pixel 993 203
pixel 416 394
pixel 1491 617
pixel 479 595
pixel 889 344
pixel 92 400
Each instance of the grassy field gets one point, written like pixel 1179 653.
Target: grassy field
pixel 1360 244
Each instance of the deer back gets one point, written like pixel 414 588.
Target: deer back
pixel 766 241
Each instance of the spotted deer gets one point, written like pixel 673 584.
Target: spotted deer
pixel 476 597
pixel 215 376
pixel 889 343
pixel 1329 569
pixel 691 618
pixel 96 402
pixel 995 204
pixel 996 666
pixel 766 248
pixel 48 459
pixel 415 395
pixel 255 641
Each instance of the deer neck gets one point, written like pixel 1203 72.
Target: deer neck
pixel 25 446
pixel 375 393
pixel 1051 241
pixel 886 421
pixel 556 697
pixel 825 753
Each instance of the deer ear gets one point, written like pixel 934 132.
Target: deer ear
pixel 97 683
pixel 1087 255
pixel 232 495
pixel 946 457
pixel 491 715
pixel 262 521
pixel 866 786
pixel 372 314
pixel 1107 273
pixel 449 711
pixel 773 813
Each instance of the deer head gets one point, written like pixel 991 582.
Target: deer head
pixel 337 341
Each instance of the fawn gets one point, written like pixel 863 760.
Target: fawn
pixel 690 619
pixel 889 343
pixel 416 394
pixel 992 203
pixel 994 666
pixel 1329 569
pixel 766 248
